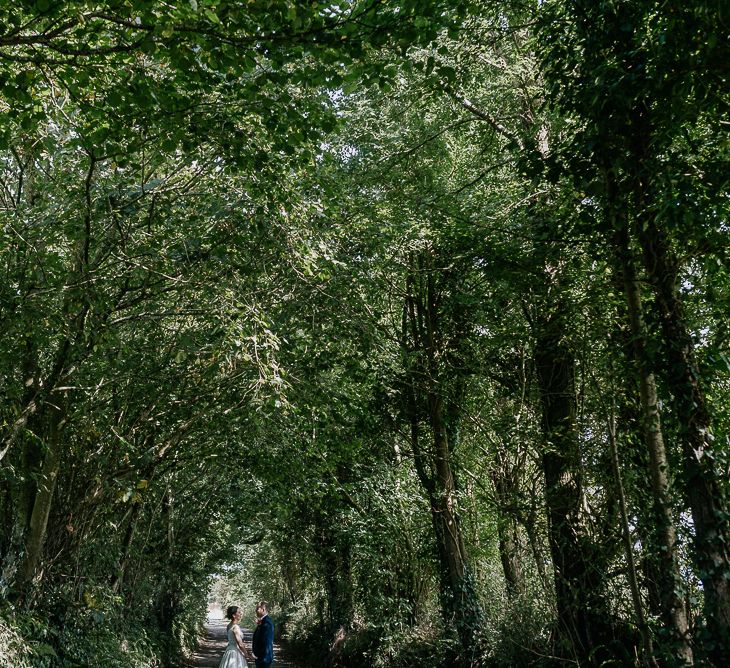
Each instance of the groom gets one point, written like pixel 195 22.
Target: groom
pixel 262 645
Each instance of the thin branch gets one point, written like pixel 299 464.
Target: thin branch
pixel 482 115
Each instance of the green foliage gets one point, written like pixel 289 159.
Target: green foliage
pixel 249 252
pixel 97 634
pixel 15 652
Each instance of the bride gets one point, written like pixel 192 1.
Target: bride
pixel 235 654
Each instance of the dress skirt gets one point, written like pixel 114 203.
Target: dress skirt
pixel 233 658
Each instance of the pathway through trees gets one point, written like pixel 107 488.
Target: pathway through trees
pixel 211 648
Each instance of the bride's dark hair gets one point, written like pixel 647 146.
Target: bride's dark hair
pixel 232 610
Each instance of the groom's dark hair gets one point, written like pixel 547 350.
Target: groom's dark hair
pixel 264 605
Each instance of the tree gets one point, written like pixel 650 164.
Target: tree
pixel 626 138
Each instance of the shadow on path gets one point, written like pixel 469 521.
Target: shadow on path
pixel 211 647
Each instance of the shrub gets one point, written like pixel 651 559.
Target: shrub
pixel 14 651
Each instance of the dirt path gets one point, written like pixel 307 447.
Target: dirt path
pixel 211 647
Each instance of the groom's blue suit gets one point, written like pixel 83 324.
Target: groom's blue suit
pixel 263 642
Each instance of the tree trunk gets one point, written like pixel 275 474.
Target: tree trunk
pixel 458 590
pixel 27 461
pixel 702 486
pixel 509 556
pixel 338 582
pixel 647 642
pixel 578 604
pixel 508 535
pixel 22 492
pixel 529 524
pixel 427 396
pixel 670 586
pixel 169 607
pixel 117 580
pixel 43 498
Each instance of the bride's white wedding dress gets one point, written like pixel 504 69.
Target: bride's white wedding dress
pixel 233 657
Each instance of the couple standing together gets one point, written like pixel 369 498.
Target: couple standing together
pixel 262 646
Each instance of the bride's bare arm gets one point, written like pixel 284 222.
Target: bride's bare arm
pixel 238 635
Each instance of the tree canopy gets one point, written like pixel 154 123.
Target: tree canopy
pixel 409 317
